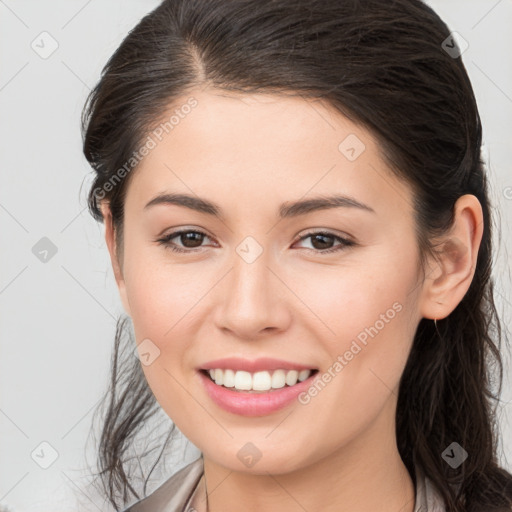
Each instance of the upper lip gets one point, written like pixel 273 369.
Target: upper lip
pixel 255 365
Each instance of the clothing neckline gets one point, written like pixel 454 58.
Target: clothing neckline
pixel 427 499
pixel 185 491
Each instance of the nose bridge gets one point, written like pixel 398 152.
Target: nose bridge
pixel 249 299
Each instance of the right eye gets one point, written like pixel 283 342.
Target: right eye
pixel 189 242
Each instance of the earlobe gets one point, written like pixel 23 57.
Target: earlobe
pixel 111 245
pixel 453 269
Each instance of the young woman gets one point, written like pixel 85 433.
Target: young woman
pixel 297 215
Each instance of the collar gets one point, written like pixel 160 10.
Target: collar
pixel 186 491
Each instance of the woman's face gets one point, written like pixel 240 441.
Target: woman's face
pixel 259 284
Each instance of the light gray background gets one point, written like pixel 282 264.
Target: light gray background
pixel 58 318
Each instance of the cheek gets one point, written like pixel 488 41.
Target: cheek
pixel 162 301
pixel 162 295
pixel 165 303
pixel 346 301
pixel 366 314
pixel 366 318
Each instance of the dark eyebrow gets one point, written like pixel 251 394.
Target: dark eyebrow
pixel 286 210
pixel 292 209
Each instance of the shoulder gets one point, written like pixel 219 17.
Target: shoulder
pixel 173 494
pixel 428 498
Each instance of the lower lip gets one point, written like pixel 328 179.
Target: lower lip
pixel 254 404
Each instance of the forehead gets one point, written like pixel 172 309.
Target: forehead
pixel 262 147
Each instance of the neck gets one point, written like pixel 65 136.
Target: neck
pixel 364 474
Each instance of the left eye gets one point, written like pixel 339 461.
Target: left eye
pixel 322 239
pixel 192 239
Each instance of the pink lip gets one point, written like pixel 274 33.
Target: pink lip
pixel 244 403
pixel 261 364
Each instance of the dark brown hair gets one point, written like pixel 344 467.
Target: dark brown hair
pixel 385 67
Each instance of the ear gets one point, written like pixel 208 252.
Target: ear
pixel 453 269
pixel 110 240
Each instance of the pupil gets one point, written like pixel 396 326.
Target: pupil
pixel 324 237
pixel 191 237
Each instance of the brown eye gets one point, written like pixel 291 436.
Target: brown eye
pixel 322 242
pixel 189 239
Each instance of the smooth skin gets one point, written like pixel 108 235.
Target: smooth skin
pixel 249 154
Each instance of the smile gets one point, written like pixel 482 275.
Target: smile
pixel 254 402
pixel 258 381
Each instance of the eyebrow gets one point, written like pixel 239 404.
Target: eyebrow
pixel 286 210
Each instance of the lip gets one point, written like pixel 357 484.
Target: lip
pixel 244 403
pixel 256 365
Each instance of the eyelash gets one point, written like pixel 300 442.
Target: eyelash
pixel 166 241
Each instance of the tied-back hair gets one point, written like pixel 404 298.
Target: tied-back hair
pixel 384 66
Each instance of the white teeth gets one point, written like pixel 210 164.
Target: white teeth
pixel 258 381
pixel 278 379
pixel 304 374
pixel 261 381
pixel 243 380
pixel 291 377
pixel 228 379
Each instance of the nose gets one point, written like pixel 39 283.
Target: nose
pixel 251 300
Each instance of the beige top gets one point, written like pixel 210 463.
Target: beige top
pixel 185 492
